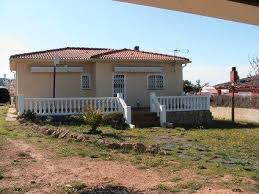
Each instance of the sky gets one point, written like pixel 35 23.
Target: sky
pixel 214 45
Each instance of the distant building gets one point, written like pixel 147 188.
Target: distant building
pixel 247 86
pixel 208 90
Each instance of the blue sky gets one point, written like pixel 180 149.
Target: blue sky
pixel 215 45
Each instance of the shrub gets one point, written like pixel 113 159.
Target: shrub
pixel 92 118
pixel 116 121
pixel 29 116
pixel 4 96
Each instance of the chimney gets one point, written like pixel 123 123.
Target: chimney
pixel 136 48
pixel 233 75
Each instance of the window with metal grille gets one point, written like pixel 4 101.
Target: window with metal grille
pixel 155 82
pixel 85 81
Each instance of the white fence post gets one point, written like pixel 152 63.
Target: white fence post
pixel 20 104
pixel 208 102
pixel 162 115
pixel 126 109
pixel 119 95
pixel 152 95
pixel 128 114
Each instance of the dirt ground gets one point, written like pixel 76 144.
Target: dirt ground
pixel 241 114
pixel 41 173
pixel 30 170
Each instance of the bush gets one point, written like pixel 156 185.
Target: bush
pixel 92 118
pixel 4 96
pixel 29 116
pixel 116 121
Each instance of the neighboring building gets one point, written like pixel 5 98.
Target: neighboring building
pixel 4 82
pixel 209 90
pixel 246 86
pixel 99 72
pixel 246 11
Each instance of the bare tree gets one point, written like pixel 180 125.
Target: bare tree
pixel 254 66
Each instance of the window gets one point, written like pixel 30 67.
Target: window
pixel 85 81
pixel 155 82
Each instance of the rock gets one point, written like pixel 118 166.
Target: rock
pixel 101 141
pixel 63 134
pixel 49 131
pixel 43 129
pixel 126 146
pixel 169 125
pixel 80 138
pixel 114 146
pixel 55 134
pixel 139 147
pixel 153 149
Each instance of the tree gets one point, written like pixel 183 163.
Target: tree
pixel 199 86
pixel 254 66
pixel 188 86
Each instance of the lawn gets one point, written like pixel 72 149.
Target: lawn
pixel 224 149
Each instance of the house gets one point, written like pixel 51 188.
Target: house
pixel 107 79
pixel 209 90
pixel 248 86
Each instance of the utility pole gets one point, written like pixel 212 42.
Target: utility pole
pixel 233 80
pixel 56 61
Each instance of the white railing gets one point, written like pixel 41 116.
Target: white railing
pixel 185 103
pixel 124 108
pixel 160 109
pixel 70 106
pixel 163 104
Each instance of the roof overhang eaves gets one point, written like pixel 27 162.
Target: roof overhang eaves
pixel 102 60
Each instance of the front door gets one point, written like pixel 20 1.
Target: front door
pixel 119 85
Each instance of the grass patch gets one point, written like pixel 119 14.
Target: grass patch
pixel 162 187
pixel 191 186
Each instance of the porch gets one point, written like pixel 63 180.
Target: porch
pixel 160 106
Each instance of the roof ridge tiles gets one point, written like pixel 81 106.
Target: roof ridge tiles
pixel 107 53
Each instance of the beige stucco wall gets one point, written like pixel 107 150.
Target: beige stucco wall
pixel 41 84
pixel 136 83
pixel 68 84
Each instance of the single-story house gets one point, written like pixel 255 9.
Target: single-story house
pixel 248 86
pixel 101 74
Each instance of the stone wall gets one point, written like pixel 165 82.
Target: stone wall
pixel 195 118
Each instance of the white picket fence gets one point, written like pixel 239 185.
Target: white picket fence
pixel 163 104
pixel 70 106
pixel 184 103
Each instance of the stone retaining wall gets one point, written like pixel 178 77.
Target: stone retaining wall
pixel 189 117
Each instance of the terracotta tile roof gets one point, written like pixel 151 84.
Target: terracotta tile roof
pixel 244 83
pixel 80 53
pixel 64 53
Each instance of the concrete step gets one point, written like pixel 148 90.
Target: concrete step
pixel 142 118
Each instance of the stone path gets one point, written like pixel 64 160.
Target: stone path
pixel 11 115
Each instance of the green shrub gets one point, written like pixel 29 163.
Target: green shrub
pixel 93 118
pixel 116 121
pixel 29 116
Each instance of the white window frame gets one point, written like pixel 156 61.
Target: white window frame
pixel 90 82
pixel 155 87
